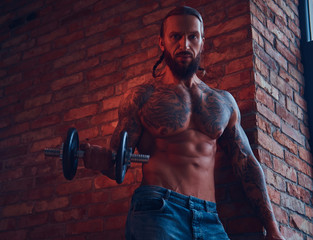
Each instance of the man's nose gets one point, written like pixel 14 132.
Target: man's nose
pixel 184 43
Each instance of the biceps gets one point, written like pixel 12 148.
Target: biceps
pixel 132 126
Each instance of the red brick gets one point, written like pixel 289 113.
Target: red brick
pixel 275 180
pixel 227 26
pixel 228 54
pixel 155 16
pixel 36 51
pixel 239 64
pixel 297 163
pixel 123 192
pixel 271 116
pixel 103 70
pixel 140 57
pixel 18 209
pixel 98 95
pixel 141 11
pixel 38 101
pixel 65 60
pixel 299 192
pixel 13 79
pixel 114 222
pixel 102 27
pixel 70 92
pixel 280 214
pixel 291 234
pixel 259 31
pixel 67 81
pixel 50 36
pixel 14 41
pixel 285 141
pixel 236 80
pixel 108 209
pixel 108 129
pixel 90 197
pixel 292 203
pixel 286 116
pixel 142 33
pixel 51 204
pixel 68 39
pixel 73 187
pixel 305 155
pixel 284 169
pixel 274 195
pixel 291 132
pixel 103 47
pixel 82 65
pixel 305 181
pixel 45 121
pixel 302 224
pixel 51 230
pixel 277 56
pixel 81 112
pixel 16 235
pixel 295 73
pixel 226 40
pixel 53 55
pixel 89 226
pixel 105 117
pixel 264 98
pixel 39 193
pixel 9 142
pixel 69 215
pixel 33 220
pixel 286 53
pixel 8 224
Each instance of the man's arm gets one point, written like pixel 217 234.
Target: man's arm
pixel 247 167
pixel 100 158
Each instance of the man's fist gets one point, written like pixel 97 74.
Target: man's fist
pixel 98 158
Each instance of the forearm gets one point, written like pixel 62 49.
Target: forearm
pixel 99 159
pixel 254 185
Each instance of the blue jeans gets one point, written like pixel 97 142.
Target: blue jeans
pixel 158 213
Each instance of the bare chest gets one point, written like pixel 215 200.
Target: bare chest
pixel 170 111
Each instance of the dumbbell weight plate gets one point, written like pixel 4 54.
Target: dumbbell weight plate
pixel 121 162
pixel 70 158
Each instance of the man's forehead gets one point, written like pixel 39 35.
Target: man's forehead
pixel 182 23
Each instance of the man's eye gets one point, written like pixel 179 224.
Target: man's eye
pixel 176 36
pixel 193 37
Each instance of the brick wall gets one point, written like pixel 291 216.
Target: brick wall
pixel 67 63
pixel 282 124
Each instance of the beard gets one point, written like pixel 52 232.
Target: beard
pixel 180 71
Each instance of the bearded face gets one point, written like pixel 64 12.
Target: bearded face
pixel 181 69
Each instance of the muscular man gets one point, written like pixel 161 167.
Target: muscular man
pixel 178 120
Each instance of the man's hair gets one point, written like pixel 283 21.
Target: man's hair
pixel 182 10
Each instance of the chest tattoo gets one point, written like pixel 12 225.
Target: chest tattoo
pixel 167 110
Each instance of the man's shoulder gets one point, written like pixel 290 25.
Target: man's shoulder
pixel 138 94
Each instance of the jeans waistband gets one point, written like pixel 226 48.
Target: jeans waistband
pixel 189 202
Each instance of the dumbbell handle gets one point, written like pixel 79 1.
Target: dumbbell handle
pixel 54 152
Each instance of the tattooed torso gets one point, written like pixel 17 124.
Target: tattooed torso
pixel 170 110
pixel 178 127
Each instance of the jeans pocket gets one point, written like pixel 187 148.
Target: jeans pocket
pixel 149 205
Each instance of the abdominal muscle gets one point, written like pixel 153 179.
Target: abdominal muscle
pixel 183 163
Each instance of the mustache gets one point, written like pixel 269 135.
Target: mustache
pixel 183 53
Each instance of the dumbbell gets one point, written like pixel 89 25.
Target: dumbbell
pixel 69 153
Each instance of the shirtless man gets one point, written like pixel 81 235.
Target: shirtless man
pixel 178 120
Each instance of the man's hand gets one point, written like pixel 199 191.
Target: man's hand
pixel 97 158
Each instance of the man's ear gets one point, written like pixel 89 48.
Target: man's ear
pixel 202 45
pixel 161 44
